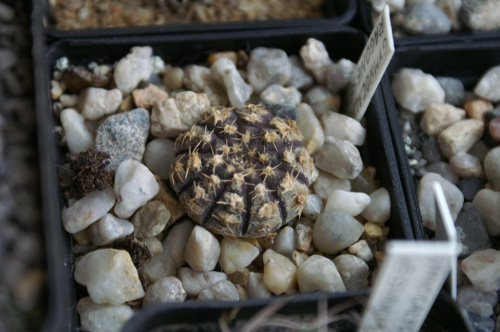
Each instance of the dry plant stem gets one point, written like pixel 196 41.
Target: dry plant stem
pixel 262 316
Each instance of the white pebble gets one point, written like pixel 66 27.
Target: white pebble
pixel 475 301
pixel 379 209
pixel 327 183
pixel 132 69
pixel 488 86
pixel 109 229
pixel 69 100
pixel 173 116
pixel 225 72
pixel 322 100
pixel 310 128
pixel 336 230
pixel 316 59
pixel 176 241
pixel 102 317
pixel 159 155
pixel 353 270
pixel 313 208
pixel 466 165
pixel 280 274
pixel 460 136
pixel 194 282
pixel 236 254
pixel 202 250
pixel 134 186
pixel 154 245
pixel 284 242
pixel 87 210
pixel 160 266
pixel 340 158
pixel 425 194
pixel 318 273
pixel 94 103
pixel 438 117
pixel 256 288
pixel 339 75
pixel 343 127
pixel 110 276
pixel 275 93
pixel 415 90
pixel 349 202
pixel 56 90
pixel 300 78
pixel 78 137
pixel 268 66
pixel 483 269
pixel 487 203
pixel 199 79
pixel 362 250
pixel 165 290
pixel 224 290
pixel 492 167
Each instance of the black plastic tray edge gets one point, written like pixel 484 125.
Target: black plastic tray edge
pixel 443 311
pixel 52 34
pixel 403 165
pixel 364 22
pixel 64 304
pixel 61 305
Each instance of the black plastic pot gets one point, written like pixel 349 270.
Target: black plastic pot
pixel 445 315
pixel 337 12
pixel 342 42
pixel 464 61
pixel 365 23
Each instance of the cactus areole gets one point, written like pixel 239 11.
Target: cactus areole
pixel 241 171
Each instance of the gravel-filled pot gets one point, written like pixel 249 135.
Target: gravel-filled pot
pixel 334 12
pixel 457 149
pixel 182 50
pixel 429 22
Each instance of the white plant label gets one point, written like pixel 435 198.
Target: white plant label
pixel 371 66
pixel 407 285
pixel 446 231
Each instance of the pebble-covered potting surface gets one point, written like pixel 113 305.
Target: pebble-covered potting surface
pixel 452 136
pixel 138 128
pixel 22 281
pixel 435 17
pixel 85 14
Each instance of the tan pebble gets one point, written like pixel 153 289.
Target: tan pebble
pixel 239 277
pixel 298 258
pixel 241 292
pixel 146 97
pixel 494 128
pixel 304 234
pixel 267 242
pixel 81 237
pixel 173 78
pixel 170 200
pixel 477 107
pixel 228 55
pixel 127 105
pixel 379 257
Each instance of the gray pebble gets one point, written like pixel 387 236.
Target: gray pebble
pixel 282 111
pixel 470 187
pixel 492 167
pixel 443 169
pixel 335 230
pixel 275 93
pixel 123 136
pixel 481 324
pixel 431 151
pixel 454 90
pixel 353 270
pixel 300 78
pixel 424 18
pixel 471 231
pixel 268 66
pixel 473 300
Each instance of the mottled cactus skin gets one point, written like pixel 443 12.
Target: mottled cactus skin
pixel 242 172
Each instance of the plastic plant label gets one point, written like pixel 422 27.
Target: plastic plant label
pixel 407 285
pixel 446 231
pixel 371 66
